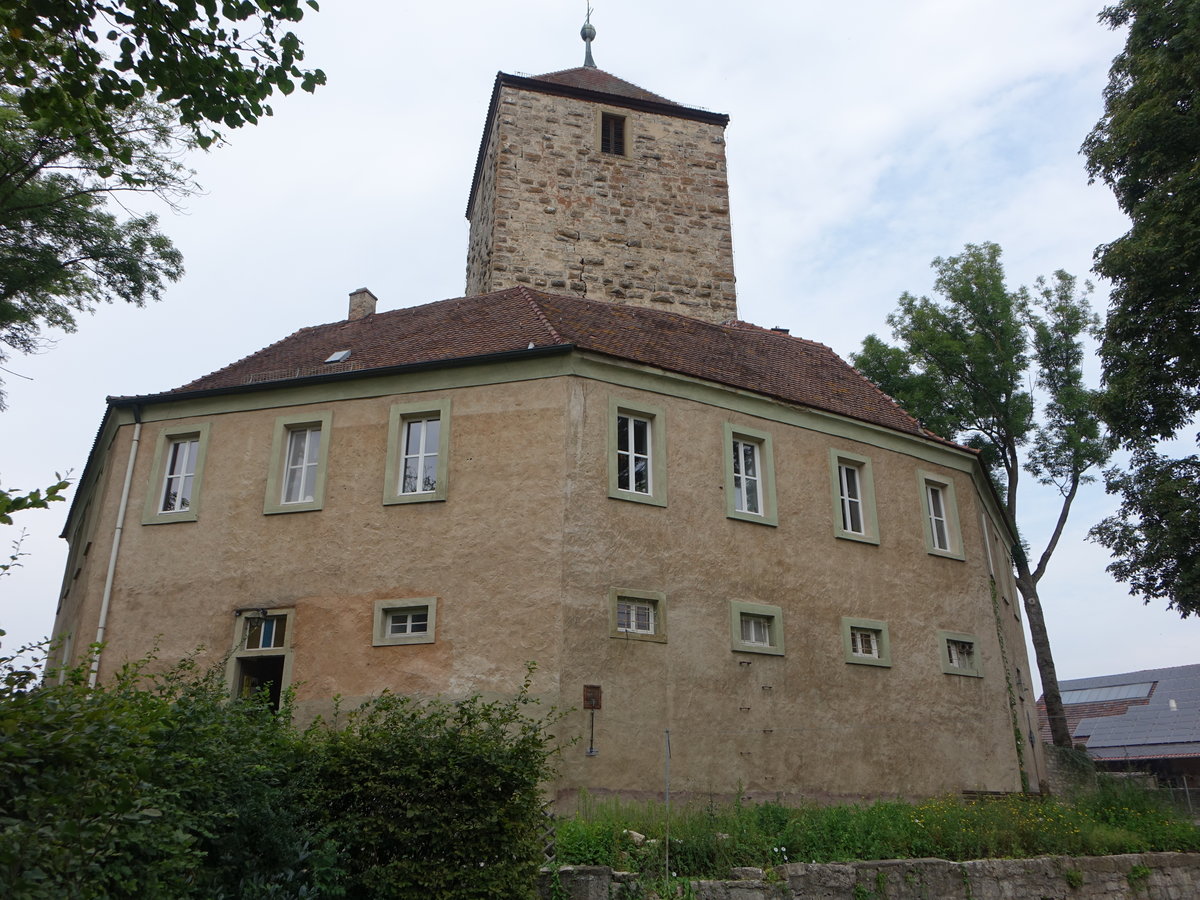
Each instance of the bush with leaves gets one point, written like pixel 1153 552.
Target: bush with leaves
pixel 434 799
pixel 152 785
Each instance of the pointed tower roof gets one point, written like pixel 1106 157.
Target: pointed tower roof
pixel 590 78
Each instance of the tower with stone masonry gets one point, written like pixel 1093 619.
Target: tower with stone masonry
pixel 588 185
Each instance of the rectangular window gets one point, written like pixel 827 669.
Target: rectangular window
pixel 300 468
pixel 181 475
pixel 411 621
pixel 756 628
pixel 175 487
pixel 418 453
pixel 747 485
pixel 265 632
pixel 937 517
pixel 749 475
pixel 960 654
pixel 299 457
pixel 612 134
pixel 634 473
pixel 637 615
pixel 636 454
pixel 853 497
pixel 865 642
pixel 939 511
pixel 420 466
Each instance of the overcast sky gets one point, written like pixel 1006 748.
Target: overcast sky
pixel 865 140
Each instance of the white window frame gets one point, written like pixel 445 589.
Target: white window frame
pixel 277 500
pixel 635 599
pixel 946 541
pixel 307 467
pixel 631 613
pixel 623 486
pixel 168 439
pixel 737 438
pixel 741 612
pixel 840 462
pixel 270 625
pixel 852 649
pixel 401 415
pixel 422 454
pixel 951 653
pixel 386 609
pixel 183 473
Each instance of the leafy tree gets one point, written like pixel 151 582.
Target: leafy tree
pixel 1156 534
pixel 967 368
pixel 77 62
pixel 62 249
pixel 1145 148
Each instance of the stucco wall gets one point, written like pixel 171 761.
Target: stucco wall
pixel 525 550
pixel 651 228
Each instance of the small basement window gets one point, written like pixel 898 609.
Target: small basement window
pixel 409 621
pixel 612 134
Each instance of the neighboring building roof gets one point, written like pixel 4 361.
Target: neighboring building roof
pixel 736 354
pixel 1155 716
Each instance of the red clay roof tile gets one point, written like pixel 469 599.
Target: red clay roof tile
pixel 592 79
pixel 736 354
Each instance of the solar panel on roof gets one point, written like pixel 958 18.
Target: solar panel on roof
pixel 1115 692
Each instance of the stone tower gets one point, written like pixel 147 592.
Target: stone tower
pixel 588 185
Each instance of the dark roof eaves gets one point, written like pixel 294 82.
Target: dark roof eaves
pixel 675 110
pixel 452 362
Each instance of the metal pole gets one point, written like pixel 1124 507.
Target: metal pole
pixel 667 830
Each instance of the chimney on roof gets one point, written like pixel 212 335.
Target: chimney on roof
pixel 362 304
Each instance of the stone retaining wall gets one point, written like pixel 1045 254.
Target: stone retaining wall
pixel 1140 876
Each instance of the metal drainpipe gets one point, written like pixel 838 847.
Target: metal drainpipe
pixel 116 546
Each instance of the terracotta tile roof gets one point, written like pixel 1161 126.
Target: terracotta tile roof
pixel 592 79
pixel 736 354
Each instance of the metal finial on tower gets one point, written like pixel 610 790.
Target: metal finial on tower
pixel 588 33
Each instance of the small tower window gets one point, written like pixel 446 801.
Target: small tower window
pixel 612 134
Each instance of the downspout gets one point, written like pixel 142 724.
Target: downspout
pixel 116 547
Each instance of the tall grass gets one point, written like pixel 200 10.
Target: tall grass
pixel 708 840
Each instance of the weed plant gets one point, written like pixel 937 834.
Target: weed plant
pixel 707 840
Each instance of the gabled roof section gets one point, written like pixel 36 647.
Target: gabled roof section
pixel 584 83
pixel 517 320
pixel 589 78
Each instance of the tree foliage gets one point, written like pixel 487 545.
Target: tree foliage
pixel 1156 534
pixel 80 63
pixel 62 248
pixel 1146 148
pixel 972 367
pixel 154 784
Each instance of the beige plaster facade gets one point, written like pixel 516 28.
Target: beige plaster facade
pixel 526 550
pixel 648 226
pixel 790 648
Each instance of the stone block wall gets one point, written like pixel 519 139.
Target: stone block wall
pixel 650 228
pixel 1140 876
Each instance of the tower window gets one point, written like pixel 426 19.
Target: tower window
pixel 612 134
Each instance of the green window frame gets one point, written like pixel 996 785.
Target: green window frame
pixel 933 486
pixel 399 420
pixel 280 441
pixel 284 626
pixel 956 661
pixel 864 481
pixel 742 444
pixel 632 597
pixel 852 648
pixel 741 613
pixel 621 450
pixel 419 615
pixel 165 450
